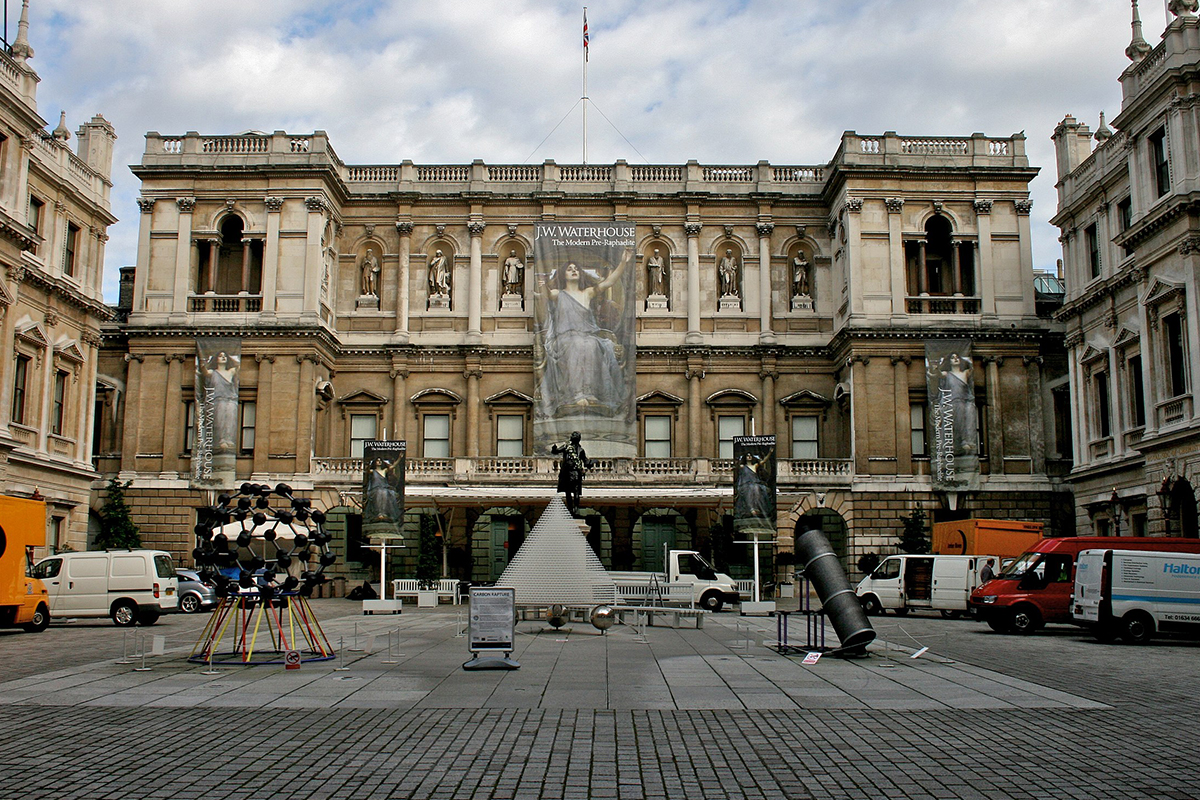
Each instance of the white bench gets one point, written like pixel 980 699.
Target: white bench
pixel 673 594
pixel 408 587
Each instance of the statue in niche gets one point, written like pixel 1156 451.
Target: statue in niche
pixel 370 274
pixel 439 276
pixel 656 273
pixel 514 268
pixel 728 271
pixel 800 275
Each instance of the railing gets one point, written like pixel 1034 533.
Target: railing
pixel 510 173
pixel 942 305
pixel 373 174
pixel 728 174
pixel 1101 448
pixel 237 145
pixel 225 303
pixel 497 465
pixel 1177 409
pixel 663 466
pixel 444 173
pixel 798 174
pixel 935 147
pixel 650 172
pixel 582 172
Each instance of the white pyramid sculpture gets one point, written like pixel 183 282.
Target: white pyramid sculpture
pixel 557 565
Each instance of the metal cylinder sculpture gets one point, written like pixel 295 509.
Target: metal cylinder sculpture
pixel 824 570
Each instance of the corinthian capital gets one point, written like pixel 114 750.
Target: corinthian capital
pixel 186 204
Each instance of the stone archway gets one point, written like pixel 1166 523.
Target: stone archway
pixel 830 523
pixel 1182 513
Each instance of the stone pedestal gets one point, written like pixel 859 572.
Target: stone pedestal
pixel 656 302
pixel 439 302
pixel 730 303
pixel 802 303
pixel 367 301
pixel 512 302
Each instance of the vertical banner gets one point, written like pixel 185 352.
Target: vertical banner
pixel 953 424
pixel 754 484
pixel 383 483
pixel 584 344
pixel 215 445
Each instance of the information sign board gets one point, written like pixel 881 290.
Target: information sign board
pixel 493 616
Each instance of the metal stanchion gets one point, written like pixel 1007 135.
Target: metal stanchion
pixel 355 648
pixel 460 629
pixel 640 618
pixel 341 655
pixel 142 648
pixel 125 647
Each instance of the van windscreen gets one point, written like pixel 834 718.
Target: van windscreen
pixel 1021 565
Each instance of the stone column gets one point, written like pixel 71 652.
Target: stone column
pixel 922 270
pixel 473 373
pixel 1025 237
pixel 1149 370
pixel 270 268
pixel 145 224
pixel 7 345
pixel 475 282
pixel 183 255
pixel 694 376
pixel 956 281
pixel 1037 414
pixel 305 408
pixel 405 229
pixel 995 415
pixel 246 264
pixel 399 401
pixel 88 418
pixel 47 380
pixel 265 418
pixel 132 418
pixel 987 278
pixel 692 229
pixel 767 415
pixel 895 207
pixel 214 255
pixel 853 222
pixel 860 414
pixel 314 263
pixel 766 334
pixel 900 366
pixel 1116 409
pixel 1189 252
pixel 173 421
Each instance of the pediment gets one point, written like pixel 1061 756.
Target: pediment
pixel 6 297
pixel 1092 353
pixel 363 397
pixel 805 397
pixel 509 396
pixel 658 397
pixel 1162 290
pixel 30 332
pixel 69 350
pixel 731 397
pixel 1126 337
pixel 435 396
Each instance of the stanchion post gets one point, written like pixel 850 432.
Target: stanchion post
pixel 341 655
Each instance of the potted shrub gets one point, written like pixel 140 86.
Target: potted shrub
pixel 429 562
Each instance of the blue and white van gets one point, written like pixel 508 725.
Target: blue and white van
pixel 1136 595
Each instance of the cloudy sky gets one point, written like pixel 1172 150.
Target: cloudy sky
pixel 720 81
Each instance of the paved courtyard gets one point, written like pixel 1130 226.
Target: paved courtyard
pixel 709 713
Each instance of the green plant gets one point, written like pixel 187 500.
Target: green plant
pixel 117 528
pixel 429 553
pixel 913 536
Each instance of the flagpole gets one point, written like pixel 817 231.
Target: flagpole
pixel 585 94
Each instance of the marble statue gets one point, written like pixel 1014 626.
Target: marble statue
pixel 370 274
pixel 656 271
pixel 727 270
pixel 513 268
pixel 439 276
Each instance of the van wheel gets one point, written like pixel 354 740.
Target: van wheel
pixel 148 617
pixel 1138 627
pixel 951 614
pixel 871 605
pixel 40 621
pixel 711 601
pixel 124 613
pixel 1025 620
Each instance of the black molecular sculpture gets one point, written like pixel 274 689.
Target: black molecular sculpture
pixel 264 563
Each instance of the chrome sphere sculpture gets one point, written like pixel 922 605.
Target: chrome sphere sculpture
pixel 603 618
pixel 557 616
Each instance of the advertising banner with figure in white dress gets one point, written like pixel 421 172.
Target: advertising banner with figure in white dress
pixel 754 484
pixel 383 483
pixel 584 344
pixel 215 444
pixel 953 419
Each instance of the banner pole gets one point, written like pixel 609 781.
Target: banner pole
pixel 585 93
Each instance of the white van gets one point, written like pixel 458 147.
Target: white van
pixel 131 586
pixel 940 583
pixel 1136 594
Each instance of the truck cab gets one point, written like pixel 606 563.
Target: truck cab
pixel 24 601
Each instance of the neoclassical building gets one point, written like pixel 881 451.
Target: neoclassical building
pixel 54 214
pixel 396 301
pixel 1129 212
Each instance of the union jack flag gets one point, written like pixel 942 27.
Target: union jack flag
pixel 585 36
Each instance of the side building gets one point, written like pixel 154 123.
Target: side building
pixel 396 301
pixel 54 214
pixel 1129 212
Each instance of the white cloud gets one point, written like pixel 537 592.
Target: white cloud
pixel 721 82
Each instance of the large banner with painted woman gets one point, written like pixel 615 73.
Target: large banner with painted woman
pixel 215 410
pixel 754 484
pixel 584 344
pixel 383 485
pixel 953 420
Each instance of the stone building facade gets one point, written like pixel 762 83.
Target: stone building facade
pixel 1129 212
pixel 382 301
pixel 54 214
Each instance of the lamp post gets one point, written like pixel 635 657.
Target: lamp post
pixel 1114 510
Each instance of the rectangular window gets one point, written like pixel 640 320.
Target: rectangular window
pixel 1137 399
pixel 1176 355
pixel 804 437
pixel 36 207
pixel 916 426
pixel 1158 157
pixel 1125 213
pixel 249 413
pixel 1103 421
pixel 1092 237
pixel 658 436
pixel 437 436
pixel 981 426
pixel 362 428
pixel 727 428
pixel 20 386
pixel 510 435
pixel 72 248
pixel 58 413
pixel 189 426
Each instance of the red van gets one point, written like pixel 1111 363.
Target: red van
pixel 1036 588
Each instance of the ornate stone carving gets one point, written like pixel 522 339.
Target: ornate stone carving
pixel 1027 360
pixel 854 204
pixel 476 227
pixel 512 229
pixel 369 271
pixel 729 230
pixel 1072 339
pixel 370 229
pixel 801 230
pixel 1183 8
pixel 512 273
pixel 894 204
pixel 145 204
pixel 657 229
pixel 441 229
pixel 983 206
pixel 938 205
pixel 51 319
pixel 473 372
pixel 16 273
pixel 898 359
pixel 765 228
pixel 692 228
pixel 694 372
pixel 315 203
pixel 727 274
pixel 439 278
pixel 404 227
pixel 186 204
pixel 1023 207
pixel 274 204
pixel 1190 245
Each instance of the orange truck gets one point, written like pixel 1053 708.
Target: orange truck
pixel 24 601
pixel 985 537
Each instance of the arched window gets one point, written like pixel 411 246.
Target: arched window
pixel 230 262
pixel 938 266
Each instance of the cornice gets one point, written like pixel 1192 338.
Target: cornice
pixel 1095 295
pixel 66 292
